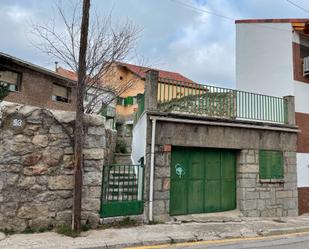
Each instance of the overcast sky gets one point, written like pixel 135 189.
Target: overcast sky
pixel 193 43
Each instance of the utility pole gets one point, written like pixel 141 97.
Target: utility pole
pixel 79 122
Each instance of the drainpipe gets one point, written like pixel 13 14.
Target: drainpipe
pixel 151 104
pixel 153 142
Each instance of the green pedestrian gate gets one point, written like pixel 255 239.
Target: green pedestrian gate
pixel 122 190
pixel 202 180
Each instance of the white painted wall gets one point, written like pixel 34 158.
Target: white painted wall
pixel 139 139
pixel 264 59
pixel 302 170
pixel 301 97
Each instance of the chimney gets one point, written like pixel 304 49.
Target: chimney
pixel 56 66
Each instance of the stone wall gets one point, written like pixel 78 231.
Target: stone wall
pixel 36 168
pixel 111 139
pixel 254 198
pixel 266 199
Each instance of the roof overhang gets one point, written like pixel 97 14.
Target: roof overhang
pixel 34 67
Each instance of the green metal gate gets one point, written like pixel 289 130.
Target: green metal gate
pixel 202 180
pixel 122 190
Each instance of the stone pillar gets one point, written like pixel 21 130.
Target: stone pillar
pixel 290 109
pixel 151 90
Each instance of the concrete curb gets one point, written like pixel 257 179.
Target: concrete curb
pixel 170 240
pixel 269 233
pixel 288 230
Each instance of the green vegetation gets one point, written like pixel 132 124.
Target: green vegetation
pixel 7 231
pixel 4 91
pixel 121 146
pixel 67 231
pixel 125 223
pixel 37 230
pixel 85 227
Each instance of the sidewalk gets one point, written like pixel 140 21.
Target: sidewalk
pixel 157 234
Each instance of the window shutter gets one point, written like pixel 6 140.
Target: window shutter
pixel 60 91
pixel 129 100
pixel 271 164
pixel 9 77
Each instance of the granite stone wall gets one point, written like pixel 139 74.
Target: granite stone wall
pixel 266 198
pixel 255 198
pixel 36 168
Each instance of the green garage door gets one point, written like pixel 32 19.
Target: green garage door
pixel 202 180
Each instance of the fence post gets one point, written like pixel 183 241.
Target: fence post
pixel 151 90
pixel 289 110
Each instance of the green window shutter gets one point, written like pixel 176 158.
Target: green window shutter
pixel 129 100
pixel 104 112
pixel 271 164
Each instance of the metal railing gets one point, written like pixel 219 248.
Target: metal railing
pixel 122 183
pixel 190 97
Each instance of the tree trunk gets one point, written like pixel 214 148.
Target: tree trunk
pixel 79 122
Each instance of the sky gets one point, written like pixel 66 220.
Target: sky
pixel 174 37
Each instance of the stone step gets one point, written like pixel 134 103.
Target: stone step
pixel 122 186
pixel 123 159
pixel 121 198
pixel 122 178
pixel 119 192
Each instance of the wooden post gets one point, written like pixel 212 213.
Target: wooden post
pixel 79 122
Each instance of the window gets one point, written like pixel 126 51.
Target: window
pixel 10 79
pixel 89 97
pixel 61 93
pixel 271 164
pixel 135 100
pixel 127 101
pixel 120 101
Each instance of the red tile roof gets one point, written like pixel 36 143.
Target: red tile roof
pixel 282 20
pixel 67 73
pixel 141 72
pixel 137 70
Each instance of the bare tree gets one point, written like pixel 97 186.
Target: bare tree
pixel 107 44
pixel 90 47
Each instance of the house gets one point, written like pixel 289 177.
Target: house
pixel 101 96
pixel 272 58
pixel 34 85
pixel 211 149
pixel 122 73
pixel 129 81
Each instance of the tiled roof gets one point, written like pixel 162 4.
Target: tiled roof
pixel 23 63
pixel 67 73
pixel 282 20
pixel 137 70
pixel 141 72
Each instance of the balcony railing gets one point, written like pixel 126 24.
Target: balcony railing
pixel 188 97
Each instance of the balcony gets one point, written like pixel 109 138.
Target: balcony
pixel 170 96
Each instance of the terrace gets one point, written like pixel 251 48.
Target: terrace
pixel 199 100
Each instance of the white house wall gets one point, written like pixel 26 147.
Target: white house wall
pixel 139 139
pixel 302 170
pixel 302 97
pixel 262 51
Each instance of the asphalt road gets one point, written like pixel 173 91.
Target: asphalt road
pixel 282 242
